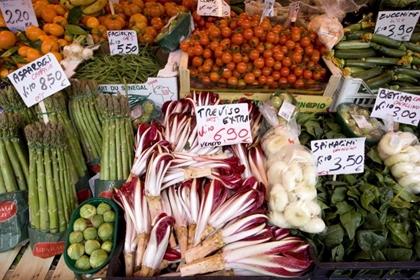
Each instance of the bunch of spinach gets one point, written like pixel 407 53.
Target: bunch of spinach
pixel 369 216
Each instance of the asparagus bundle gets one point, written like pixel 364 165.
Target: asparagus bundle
pixel 56 111
pixel 51 189
pixel 11 101
pixel 84 113
pixel 14 162
pixel 118 137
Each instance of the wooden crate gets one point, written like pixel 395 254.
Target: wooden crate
pixel 20 263
pixel 185 82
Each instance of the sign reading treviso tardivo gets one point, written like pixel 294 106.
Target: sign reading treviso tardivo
pixel 222 125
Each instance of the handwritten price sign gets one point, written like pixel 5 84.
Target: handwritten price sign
pixel 339 156
pixel 222 125
pixel 39 79
pixel 216 8
pixel 398 25
pixel 402 107
pixel 18 14
pixel 123 42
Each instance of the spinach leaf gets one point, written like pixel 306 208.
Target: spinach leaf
pixel 373 155
pixel 377 256
pixel 338 195
pixel 399 235
pixel 334 235
pixel 314 129
pixel 397 254
pixel 369 241
pixel 343 207
pixel 351 220
pixel 337 253
pixel 372 222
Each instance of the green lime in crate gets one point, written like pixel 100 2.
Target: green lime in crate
pixel 92 236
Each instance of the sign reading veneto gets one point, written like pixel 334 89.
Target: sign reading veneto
pixel 398 25
pixel 39 79
pixel 222 125
pixel 123 42
pixel 18 14
pixel 402 107
pixel 339 156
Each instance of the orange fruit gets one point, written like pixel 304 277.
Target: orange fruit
pixel 4 73
pixel 48 14
pixel 32 54
pixel 56 30
pixel 60 20
pixel 45 27
pixel 39 7
pixel 92 22
pixel 33 32
pixel 68 38
pixel 7 39
pixel 43 37
pixel 58 56
pixel 20 65
pixel 62 43
pixel 23 50
pixel 85 19
pixel 59 10
pixel 49 46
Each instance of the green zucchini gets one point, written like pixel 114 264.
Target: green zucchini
pixel 415 60
pixel 405 78
pixel 383 61
pixel 355 54
pixel 388 51
pixel 367 74
pixel 237 10
pixel 356 35
pixel 385 41
pixel 359 63
pixel 358 26
pixel 412 47
pixel 402 84
pixel 415 37
pixel 413 89
pixel 352 45
pixel 412 72
pixel 379 80
pixel 354 70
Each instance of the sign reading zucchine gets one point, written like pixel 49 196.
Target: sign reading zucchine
pixel 398 25
pixel 39 79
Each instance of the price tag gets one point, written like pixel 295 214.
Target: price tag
pixel 123 42
pixel 216 8
pixel 286 110
pixel 294 10
pixel 222 125
pixel 114 1
pixel 402 107
pixel 339 156
pixel 398 25
pixel 39 79
pixel 18 14
pixel 361 121
pixel 268 9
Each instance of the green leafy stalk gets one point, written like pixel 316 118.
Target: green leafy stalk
pixel 6 169
pixel 33 199
pixel 84 130
pixel 64 197
pixel 62 221
pixel 112 150
pixel 18 172
pixel 42 192
pixel 2 185
pixel 51 194
pixel 22 157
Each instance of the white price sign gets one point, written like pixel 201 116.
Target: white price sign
pixel 294 10
pixel 402 107
pixel 18 14
pixel 339 156
pixel 123 42
pixel 216 8
pixel 398 25
pixel 268 8
pixel 221 125
pixel 39 79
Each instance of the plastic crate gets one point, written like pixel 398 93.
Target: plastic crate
pixel 349 90
pixel 363 270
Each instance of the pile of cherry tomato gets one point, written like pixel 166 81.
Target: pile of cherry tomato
pixel 243 51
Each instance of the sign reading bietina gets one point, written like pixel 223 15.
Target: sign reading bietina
pixel 222 125
pixel 18 14
pixel 339 156
pixel 402 107
pixel 398 25
pixel 39 79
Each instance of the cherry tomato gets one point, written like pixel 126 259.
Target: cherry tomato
pixel 233 81
pixel 249 78
pixel 258 31
pixel 276 75
pixel 241 67
pixel 262 80
pixel 297 58
pixel 237 39
pixel 284 71
pixel 226 73
pixel 214 32
pixel 278 55
pixel 269 62
pixel 254 54
pixel 214 77
pixel 291 78
pixel 197 61
pixel 283 80
pixel 267 53
pixel 236 57
pixel 266 71
pixel 226 57
pixel 248 34
pixel 207 53
pixel 277 65
pixel 287 61
pixel 309 50
pixel 307 74
pixel 259 63
pixel 198 50
pixel 299 83
pixel 257 72
pixel 231 66
pixel 295 36
pixel 184 46
pixel 270 37
pixel 298 71
pixel 290 44
pixel 305 42
pixel 206 67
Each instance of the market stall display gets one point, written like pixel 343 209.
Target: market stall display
pixel 205 183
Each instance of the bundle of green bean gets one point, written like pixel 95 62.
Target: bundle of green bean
pixel 56 111
pixel 51 189
pixel 118 137
pixel 378 59
pixel 14 161
pixel 84 113
pixel 116 69
pixel 11 101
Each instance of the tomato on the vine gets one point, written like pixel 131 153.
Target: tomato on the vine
pixel 248 34
pixel 249 78
pixel 237 38
pixel 284 71
pixel 305 42
pixel 241 67
pixel 307 74
pixel 259 63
